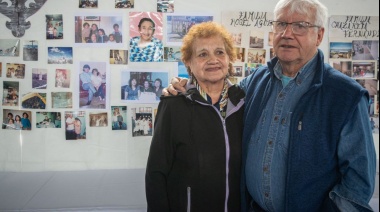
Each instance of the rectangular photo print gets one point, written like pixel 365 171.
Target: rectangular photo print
pixel 364 69
pixel 93 86
pixel 91 30
pixel 119 117
pixel 17 119
pixel 62 78
pixel 341 50
pixel 30 50
pixel 15 70
pixel 142 124
pixel 75 125
pixel 165 6
pixel 54 27
pixel 119 57
pixel 10 93
pixel 143 86
pixel 60 55
pixel 365 49
pixel 48 119
pixel 343 66
pixel 91 4
pixel 125 4
pixel 256 56
pixel 172 54
pixel 34 101
pixel 39 78
pixel 98 119
pixel 10 47
pixel 61 100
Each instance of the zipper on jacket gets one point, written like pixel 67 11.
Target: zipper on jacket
pixel 188 199
pixel 300 122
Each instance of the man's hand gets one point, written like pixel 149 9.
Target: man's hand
pixel 176 85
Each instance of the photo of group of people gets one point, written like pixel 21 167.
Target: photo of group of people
pixel 48 120
pixel 10 93
pixel 125 4
pixel 54 27
pixel 75 125
pixel 98 29
pixel 172 54
pixel 144 87
pixel 88 3
pixel 15 71
pixel 98 119
pixel 16 120
pixel 34 100
pixel 119 117
pixel 142 124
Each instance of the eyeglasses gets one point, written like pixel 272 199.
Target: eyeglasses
pixel 298 28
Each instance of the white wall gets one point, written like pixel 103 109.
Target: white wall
pixel 47 149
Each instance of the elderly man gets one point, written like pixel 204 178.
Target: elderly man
pixel 307 141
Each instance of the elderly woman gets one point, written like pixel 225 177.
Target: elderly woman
pixel 195 154
pixel 146 48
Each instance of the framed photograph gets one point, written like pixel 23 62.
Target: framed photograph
pixel 30 50
pixel 54 26
pixel 95 30
pixel 98 119
pixel 179 25
pixel 48 120
pixel 34 101
pixel 39 78
pixel 62 78
pixel 10 93
pixel 93 85
pixel 143 86
pixel 60 55
pixel 75 125
pixel 17 119
pixel 15 71
pixel 10 47
pixel 142 124
pixel 61 99
pixel 119 117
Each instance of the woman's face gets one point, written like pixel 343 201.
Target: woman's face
pixel 209 62
pixel 93 37
pixel 111 38
pixel 94 27
pixel 146 84
pixel 146 31
pixel 157 83
pixel 134 82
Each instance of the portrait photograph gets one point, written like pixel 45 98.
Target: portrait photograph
pixel 48 120
pixel 61 100
pixel 15 71
pixel 365 49
pixel 256 56
pixel 341 50
pixel 17 119
pixel 256 39
pixel 75 125
pixel 33 101
pixel 143 86
pixel 119 57
pixel 165 6
pixel 10 47
pixel 10 93
pixel 92 85
pixel 62 78
pixel 142 122
pixel 237 37
pixel 60 55
pixel 39 78
pixel 364 69
pixel 240 54
pixel 172 54
pixel 146 36
pixel 30 50
pixel 179 25
pixel 88 4
pixel 98 119
pixel 54 27
pixel 119 117
pixel 91 30
pixel 124 4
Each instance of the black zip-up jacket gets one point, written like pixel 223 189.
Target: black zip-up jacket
pixel 191 146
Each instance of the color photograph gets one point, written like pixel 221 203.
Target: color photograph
pixel 61 100
pixel 39 78
pixel 15 71
pixel 60 55
pixel 54 27
pixel 33 101
pixel 75 125
pixel 142 124
pixel 9 47
pixel 119 57
pixel 10 93
pixel 48 120
pixel 30 50
pixel 98 119
pixel 119 117
pixel 17 119
pixel 125 4
pixel 340 50
pixel 62 78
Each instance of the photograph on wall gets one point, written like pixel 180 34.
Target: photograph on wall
pixel 172 54
pixel 33 101
pixel 98 119
pixel 61 100
pixel 364 69
pixel 238 71
pixel 271 53
pixel 270 39
pixel 92 4
pixel 10 93
pixel 1 69
pixel 54 26
pixel 39 78
pixel 240 54
pixel 146 35
pixel 75 125
pixel 341 50
pixel 179 25
pixel 60 55
pixel 343 66
pixel 15 71
pixel 165 6
pixel 62 78
pixel 119 57
pixel 48 119
pixel 250 68
pixel 256 39
pixel 256 56
pixel 9 47
pixel 371 85
pixel 30 50
pixel 17 119
pixel 92 84
pixel 95 30
pixel 237 37
pixel 142 124
pixel 125 4
pixel 143 86
pixel 119 117
pixel 365 49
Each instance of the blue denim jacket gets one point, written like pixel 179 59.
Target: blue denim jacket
pixel 329 156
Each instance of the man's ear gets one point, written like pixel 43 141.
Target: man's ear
pixel 321 33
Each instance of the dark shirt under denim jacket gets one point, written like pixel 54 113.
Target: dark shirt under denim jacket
pixel 307 143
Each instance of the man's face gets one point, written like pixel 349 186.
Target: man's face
pixel 296 49
pixel 86 70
